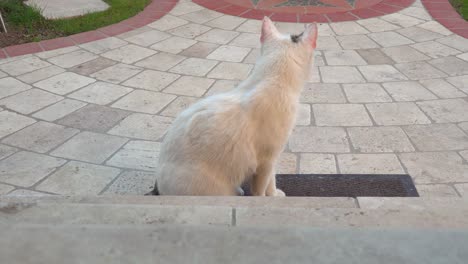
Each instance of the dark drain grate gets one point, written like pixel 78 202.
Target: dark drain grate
pixel 345 185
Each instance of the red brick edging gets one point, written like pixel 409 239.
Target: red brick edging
pixel 379 9
pixel 445 14
pixel 154 11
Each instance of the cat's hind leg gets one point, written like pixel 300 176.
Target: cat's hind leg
pixel 272 190
pixel 261 179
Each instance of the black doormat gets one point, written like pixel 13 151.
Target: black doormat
pixel 344 185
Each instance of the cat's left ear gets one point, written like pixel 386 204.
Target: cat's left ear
pixel 310 35
pixel 268 30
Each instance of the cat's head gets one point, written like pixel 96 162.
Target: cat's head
pixel 299 47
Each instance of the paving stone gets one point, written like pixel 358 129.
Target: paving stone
pixel 40 74
pixel 318 58
pixel 148 38
pixel 341 115
pixel 189 30
pixel 78 178
pixel 419 70
pixel 286 164
pixel 408 91
pixel 463 56
pixel 462 189
pixel 328 43
pixel 437 137
pixel 132 183
pixel 2 74
pixel 436 190
pixel 464 154
pixel 116 73
pixel 161 61
pixel 357 42
pixel 24 192
pixel 435 167
pixel 375 56
pixel 231 71
pixel 418 12
pixel 456 42
pixel 90 147
pixel 231 22
pixel 22 66
pixel 404 54
pixel 222 86
pixel 94 117
pixel 444 111
pixel 389 114
pixel 229 53
pixel 369 164
pixel 218 36
pixel 319 139
pixel 56 52
pixel 100 93
pixel 174 45
pixel 26 168
pixel 324 29
pixel 381 73
pixel 436 27
pixel 201 16
pixel 40 137
pixel 143 126
pixel 366 93
pixel 4 189
pixel 435 49
pixel 464 126
pixel 185 8
pixel 340 74
pixel 303 115
pixel 140 155
pixel 402 20
pixel 442 88
pixel 190 86
pixel 317 164
pixel 144 101
pixel 250 26
pixel 379 139
pixel 59 110
pixel 128 54
pixel 11 122
pixel 152 80
pixel 377 25
pixel 461 82
pixel 194 67
pixel 451 65
pixel 199 50
pixel 6 151
pixel 418 34
pixel 314 75
pixel 29 101
pixel 348 28
pixel 167 22
pixel 178 105
pixel 389 39
pixel 10 86
pixel 343 58
pixel 64 83
pixel 248 40
pixel 103 45
pixel 74 58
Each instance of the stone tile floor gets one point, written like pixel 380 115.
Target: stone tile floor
pixel 387 95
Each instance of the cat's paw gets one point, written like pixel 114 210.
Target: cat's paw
pixel 279 193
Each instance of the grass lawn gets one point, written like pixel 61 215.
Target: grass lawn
pixel 25 24
pixel 461 6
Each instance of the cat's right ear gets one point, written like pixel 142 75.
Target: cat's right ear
pixel 268 30
pixel 310 35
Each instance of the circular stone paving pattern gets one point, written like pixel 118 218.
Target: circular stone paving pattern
pixel 306 10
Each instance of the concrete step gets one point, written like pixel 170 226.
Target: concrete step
pixel 54 244
pixel 238 211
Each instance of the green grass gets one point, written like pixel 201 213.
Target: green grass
pixel 461 6
pixel 29 25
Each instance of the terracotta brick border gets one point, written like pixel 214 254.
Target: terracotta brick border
pixel 155 10
pixel 445 14
pixel 381 8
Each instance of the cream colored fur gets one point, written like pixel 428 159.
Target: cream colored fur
pixel 227 139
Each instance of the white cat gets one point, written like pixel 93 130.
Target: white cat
pixel 225 140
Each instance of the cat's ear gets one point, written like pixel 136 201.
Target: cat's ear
pixel 268 30
pixel 310 35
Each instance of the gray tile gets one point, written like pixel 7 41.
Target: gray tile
pixel 178 105
pixel 74 58
pixel 435 49
pixel 194 67
pixel 231 22
pixel 436 190
pixel 90 147
pixel 437 137
pixel 78 178
pixel 152 80
pixel 128 54
pixel 230 71
pixel 94 117
pixel 319 139
pixel 229 53
pixel 381 73
pixel 419 34
pixel 404 54
pixel 40 137
pixel 343 58
pixel 30 101
pixel 190 86
pixel 167 22
pixel 451 65
pixel 369 164
pixel 375 56
pixel 161 61
pixel 148 38
pixel 408 91
pixel 144 101
pixel 419 70
pixel 348 28
pixel 103 45
pixel 317 164
pixel 461 82
pixel 456 42
pixel 93 66
pixel 379 139
pixel 27 168
pixel 389 39
pixel 322 93
pixel 139 155
pixel 132 183
pixel 341 74
pixel 303 115
pixel 4 189
pixel 389 114
pixel 341 115
pixel 101 93
pixel 143 126
pixel 10 86
pixel 366 93
pixel 6 151
pixel 189 30
pixel 357 42
pixel 116 73
pixel 40 74
pixel 59 110
pixel 64 83
pixel 218 36
pixel 222 86
pixel 174 45
pixel 22 66
pixel 442 88
pixel 11 122
pixel 444 111
pixel 199 50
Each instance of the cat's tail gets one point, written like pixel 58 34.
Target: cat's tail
pixel 155 191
